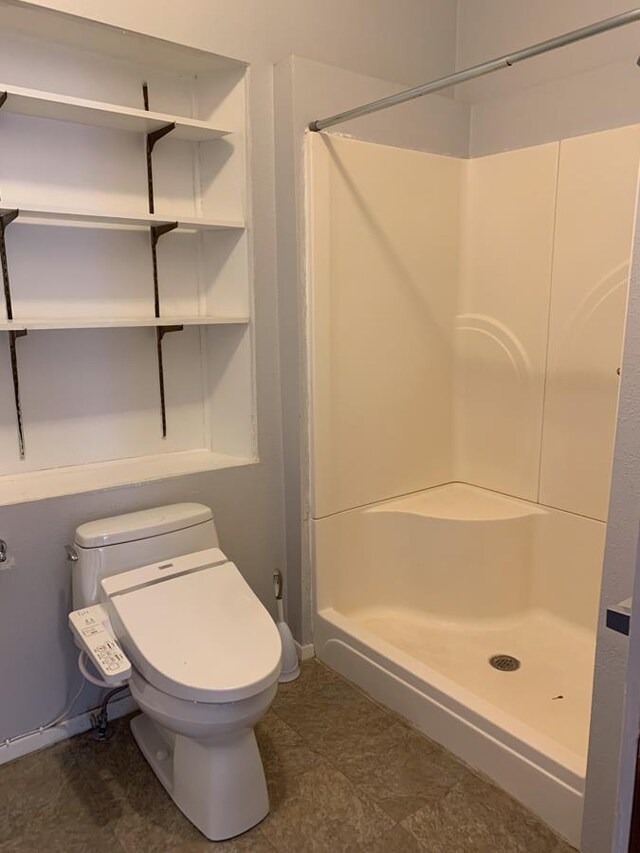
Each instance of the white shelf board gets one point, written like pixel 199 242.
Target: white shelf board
pixel 72 479
pixel 34 324
pixel 32 102
pixel 42 215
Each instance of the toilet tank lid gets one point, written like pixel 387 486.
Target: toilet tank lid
pixel 141 525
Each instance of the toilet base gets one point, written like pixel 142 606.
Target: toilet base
pixel 220 787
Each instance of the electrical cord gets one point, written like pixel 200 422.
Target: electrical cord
pixel 102 730
pixel 8 741
pixel 82 657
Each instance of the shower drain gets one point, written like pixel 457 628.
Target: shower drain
pixel 505 663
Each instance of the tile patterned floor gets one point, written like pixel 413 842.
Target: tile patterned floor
pixel 343 774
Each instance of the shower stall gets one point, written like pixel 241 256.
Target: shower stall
pixel 466 323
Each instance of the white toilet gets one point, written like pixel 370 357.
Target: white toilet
pixel 157 603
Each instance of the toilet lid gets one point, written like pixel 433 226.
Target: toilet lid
pixel 202 636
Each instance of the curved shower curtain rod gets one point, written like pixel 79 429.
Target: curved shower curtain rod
pixel 506 61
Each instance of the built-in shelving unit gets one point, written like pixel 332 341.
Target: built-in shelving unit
pixel 123 218
pixel 43 215
pixel 116 323
pixel 32 102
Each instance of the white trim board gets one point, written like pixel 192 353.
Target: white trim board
pixel 74 479
pixel 62 731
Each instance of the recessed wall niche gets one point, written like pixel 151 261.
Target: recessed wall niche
pixel 125 323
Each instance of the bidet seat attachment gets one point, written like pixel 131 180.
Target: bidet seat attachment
pixel 92 629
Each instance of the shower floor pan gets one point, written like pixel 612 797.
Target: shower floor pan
pixel 550 692
pixel 527 728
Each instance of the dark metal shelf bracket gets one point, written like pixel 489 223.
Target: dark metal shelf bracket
pixel 161 331
pixel 3 98
pixel 5 220
pixel 152 138
pixel 156 232
pixel 13 337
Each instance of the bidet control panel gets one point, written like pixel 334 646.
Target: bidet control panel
pixel 91 627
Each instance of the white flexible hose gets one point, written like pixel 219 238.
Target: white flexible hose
pixel 82 666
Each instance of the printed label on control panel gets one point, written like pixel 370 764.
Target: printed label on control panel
pixel 111 658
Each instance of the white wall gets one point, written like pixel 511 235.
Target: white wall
pixel 489 28
pixel 555 96
pixel 403 42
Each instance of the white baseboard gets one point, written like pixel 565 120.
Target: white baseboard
pixel 306 651
pixel 65 729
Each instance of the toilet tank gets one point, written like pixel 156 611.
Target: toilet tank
pixel 113 545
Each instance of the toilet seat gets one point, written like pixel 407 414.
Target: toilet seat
pixel 200 634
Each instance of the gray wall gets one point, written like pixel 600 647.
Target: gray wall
pixel 403 41
pixel 606 806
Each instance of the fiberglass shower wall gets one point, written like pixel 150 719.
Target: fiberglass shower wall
pixel 539 331
pixel 386 248
pixel 467 319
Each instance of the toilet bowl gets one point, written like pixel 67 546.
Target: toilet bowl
pixel 202 657
pixel 206 756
